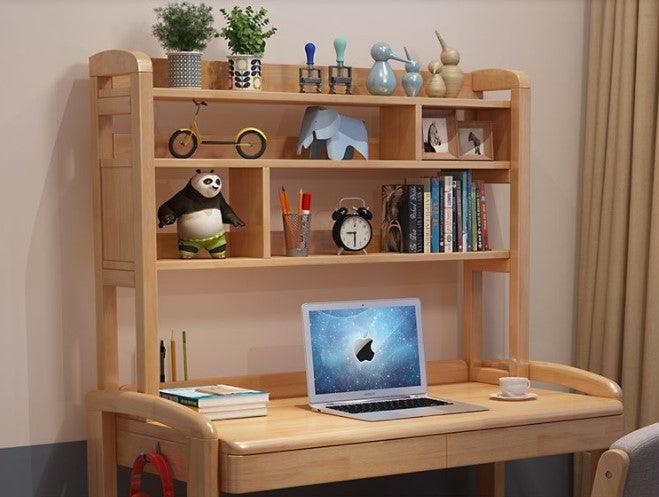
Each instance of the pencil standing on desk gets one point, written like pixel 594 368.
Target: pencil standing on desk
pixel 163 353
pixel 185 355
pixel 172 356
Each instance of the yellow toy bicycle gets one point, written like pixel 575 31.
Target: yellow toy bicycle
pixel 250 143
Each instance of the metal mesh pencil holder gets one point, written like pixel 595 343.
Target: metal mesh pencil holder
pixel 297 234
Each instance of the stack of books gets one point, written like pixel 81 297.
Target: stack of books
pixel 220 401
pixel 444 213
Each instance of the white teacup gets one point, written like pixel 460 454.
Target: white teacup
pixel 514 386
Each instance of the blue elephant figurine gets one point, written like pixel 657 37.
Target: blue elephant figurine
pixel 341 135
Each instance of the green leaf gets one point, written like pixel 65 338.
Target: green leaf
pixel 244 29
pixel 182 26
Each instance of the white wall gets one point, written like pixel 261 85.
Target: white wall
pixel 47 354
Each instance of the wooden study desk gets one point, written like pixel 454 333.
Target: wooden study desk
pixel 295 446
pixel 132 170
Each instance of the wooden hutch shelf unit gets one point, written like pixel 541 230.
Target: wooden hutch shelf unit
pixel 293 446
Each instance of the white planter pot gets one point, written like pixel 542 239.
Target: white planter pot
pixel 184 69
pixel 245 72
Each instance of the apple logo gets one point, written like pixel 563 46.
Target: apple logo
pixel 363 350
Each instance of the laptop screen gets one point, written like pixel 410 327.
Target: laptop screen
pixel 368 346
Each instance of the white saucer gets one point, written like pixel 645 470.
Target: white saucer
pixel 501 396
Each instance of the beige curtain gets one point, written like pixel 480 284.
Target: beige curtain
pixel 618 288
pixel 618 279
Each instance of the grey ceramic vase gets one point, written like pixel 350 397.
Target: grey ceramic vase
pixel 382 78
pixel 412 80
pixel 184 69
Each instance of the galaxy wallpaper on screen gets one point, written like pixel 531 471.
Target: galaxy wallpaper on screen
pixel 364 349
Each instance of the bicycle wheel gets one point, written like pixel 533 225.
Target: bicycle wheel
pixel 182 144
pixel 250 144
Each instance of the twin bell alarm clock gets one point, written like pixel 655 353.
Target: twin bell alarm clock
pixel 352 231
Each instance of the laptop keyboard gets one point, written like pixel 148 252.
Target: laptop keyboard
pixel 388 405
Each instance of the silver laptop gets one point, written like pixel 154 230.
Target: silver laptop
pixel 365 360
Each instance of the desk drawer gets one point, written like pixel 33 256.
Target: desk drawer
pixel 520 442
pixel 293 468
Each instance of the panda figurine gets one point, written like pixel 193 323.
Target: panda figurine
pixel 200 212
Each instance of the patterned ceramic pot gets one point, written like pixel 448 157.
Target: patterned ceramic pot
pixel 245 72
pixel 184 69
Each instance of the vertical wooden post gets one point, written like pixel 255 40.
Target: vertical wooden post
pixel 144 200
pixel 520 226
pixel 107 361
pixel 101 440
pixel 101 454
pixel 472 322
pixel 492 476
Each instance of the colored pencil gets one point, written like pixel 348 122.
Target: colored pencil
pixel 306 203
pixel 286 208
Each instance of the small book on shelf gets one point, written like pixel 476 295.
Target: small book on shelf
pixel 220 401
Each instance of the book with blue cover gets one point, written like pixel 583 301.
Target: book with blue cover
pixel 434 214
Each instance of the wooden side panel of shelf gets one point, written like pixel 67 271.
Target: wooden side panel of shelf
pixel 511 142
pixel 520 226
pixel 250 199
pixel 118 212
pixel 144 194
pixel 114 262
pixel 107 355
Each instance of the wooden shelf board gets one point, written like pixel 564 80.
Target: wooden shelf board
pixel 275 97
pixel 433 165
pixel 322 260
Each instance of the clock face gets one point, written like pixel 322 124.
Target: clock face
pixel 355 233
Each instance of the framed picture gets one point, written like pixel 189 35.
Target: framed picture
pixel 475 140
pixel 440 139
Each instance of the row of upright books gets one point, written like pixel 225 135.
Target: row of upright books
pixel 220 401
pixel 444 213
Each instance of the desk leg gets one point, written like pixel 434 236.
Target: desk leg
pixel 585 469
pixel 203 468
pixel 101 454
pixel 492 479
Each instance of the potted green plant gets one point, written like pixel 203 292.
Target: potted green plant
pixel 246 32
pixel 184 30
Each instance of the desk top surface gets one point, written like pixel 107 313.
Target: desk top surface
pixel 290 424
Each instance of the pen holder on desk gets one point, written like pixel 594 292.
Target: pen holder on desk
pixel 297 234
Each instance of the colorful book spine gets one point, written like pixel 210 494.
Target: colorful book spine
pixel 420 219
pixel 458 215
pixel 434 214
pixel 479 222
pixel 448 214
pixel 481 189
pixel 442 230
pixel 427 214
pixel 468 210
pixel 474 220
pixel 465 209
